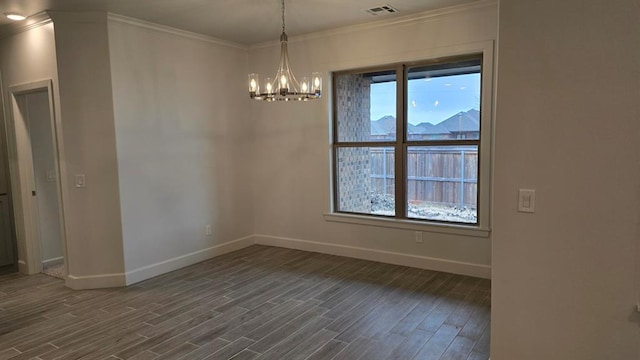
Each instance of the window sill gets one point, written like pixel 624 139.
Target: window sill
pixel 408 225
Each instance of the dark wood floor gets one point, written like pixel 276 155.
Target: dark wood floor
pixel 7 269
pixel 257 303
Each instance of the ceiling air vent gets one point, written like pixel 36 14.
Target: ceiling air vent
pixel 382 9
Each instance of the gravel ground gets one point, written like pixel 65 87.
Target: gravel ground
pixel 383 204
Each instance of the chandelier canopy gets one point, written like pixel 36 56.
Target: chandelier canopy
pixel 285 87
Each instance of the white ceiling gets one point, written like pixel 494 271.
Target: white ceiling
pixel 242 21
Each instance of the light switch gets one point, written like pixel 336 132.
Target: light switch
pixel 526 200
pixel 80 181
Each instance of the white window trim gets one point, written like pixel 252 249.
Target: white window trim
pixel 483 228
pixel 415 225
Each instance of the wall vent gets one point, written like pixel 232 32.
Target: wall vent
pixel 382 9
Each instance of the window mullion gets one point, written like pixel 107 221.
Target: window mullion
pixel 400 161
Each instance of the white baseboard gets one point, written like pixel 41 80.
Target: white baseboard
pixel 53 261
pixel 149 271
pixel 421 262
pixel 22 267
pixel 95 281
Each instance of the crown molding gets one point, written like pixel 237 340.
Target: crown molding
pixel 78 16
pixel 32 22
pixel 412 18
pixel 173 31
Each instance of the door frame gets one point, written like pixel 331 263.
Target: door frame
pixel 21 175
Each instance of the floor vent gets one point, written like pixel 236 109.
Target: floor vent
pixel 382 9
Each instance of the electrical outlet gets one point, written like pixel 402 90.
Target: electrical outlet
pixel 207 230
pixel 418 236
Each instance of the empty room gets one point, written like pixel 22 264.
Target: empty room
pixel 320 179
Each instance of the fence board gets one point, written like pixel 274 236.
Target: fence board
pixel 446 175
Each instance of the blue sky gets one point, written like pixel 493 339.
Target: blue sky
pixel 430 100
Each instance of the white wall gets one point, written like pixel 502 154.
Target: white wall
pixel 178 117
pixel 184 145
pixel 291 152
pixel 6 238
pixel 166 150
pixel 43 151
pixel 93 219
pixel 25 57
pixel 567 125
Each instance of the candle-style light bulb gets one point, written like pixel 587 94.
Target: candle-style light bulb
pixel 254 85
pixel 304 85
pixel 284 88
pixel 268 85
pixel 317 84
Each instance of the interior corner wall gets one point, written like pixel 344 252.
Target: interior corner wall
pixel 292 168
pixel 25 57
pixel 567 125
pixel 184 144
pixel 93 223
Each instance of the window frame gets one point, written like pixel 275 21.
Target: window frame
pixel 402 143
pixel 398 68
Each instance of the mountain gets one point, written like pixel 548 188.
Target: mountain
pixel 464 121
pixel 383 126
pixel 427 128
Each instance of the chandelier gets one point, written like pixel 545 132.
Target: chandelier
pixel 285 87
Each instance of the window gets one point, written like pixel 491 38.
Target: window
pixel 408 141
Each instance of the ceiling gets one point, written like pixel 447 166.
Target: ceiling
pixel 241 21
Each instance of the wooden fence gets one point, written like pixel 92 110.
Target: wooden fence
pixel 446 175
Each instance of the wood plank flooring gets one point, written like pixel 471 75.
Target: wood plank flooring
pixel 7 269
pixel 257 303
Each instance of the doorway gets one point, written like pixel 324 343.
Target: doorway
pixel 35 187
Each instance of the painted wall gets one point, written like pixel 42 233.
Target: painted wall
pixel 184 140
pixel 6 238
pixel 183 137
pixel 46 186
pixel 291 151
pixel 25 57
pixel 567 126
pixel 94 229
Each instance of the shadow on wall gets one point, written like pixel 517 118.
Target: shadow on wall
pixel 635 316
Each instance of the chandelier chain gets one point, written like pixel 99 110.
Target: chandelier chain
pixel 283 16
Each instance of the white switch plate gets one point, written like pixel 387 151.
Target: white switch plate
pixel 526 200
pixel 80 181
pixel 207 230
pixel 418 236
